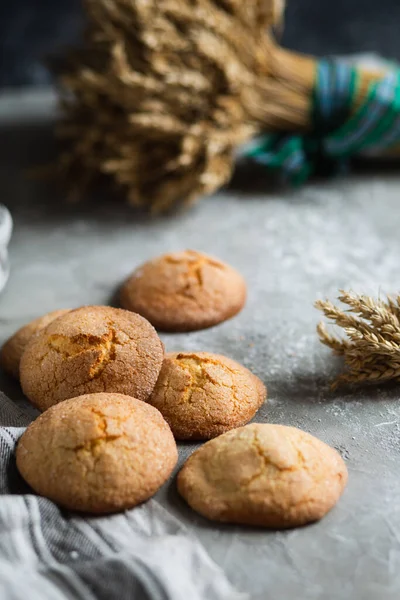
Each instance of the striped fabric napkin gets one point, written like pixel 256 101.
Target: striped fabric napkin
pixel 47 553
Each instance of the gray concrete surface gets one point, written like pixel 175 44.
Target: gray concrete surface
pixel 292 248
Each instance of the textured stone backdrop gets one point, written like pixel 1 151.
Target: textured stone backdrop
pixel 31 29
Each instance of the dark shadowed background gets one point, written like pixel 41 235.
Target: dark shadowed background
pixel 30 30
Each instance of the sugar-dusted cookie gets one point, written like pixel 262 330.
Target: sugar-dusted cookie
pixel 267 475
pixel 184 291
pixel 99 453
pixel 13 348
pixel 202 395
pixel 91 349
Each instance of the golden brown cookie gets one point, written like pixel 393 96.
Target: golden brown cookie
pixel 261 474
pixel 13 348
pixel 91 349
pixel 99 453
pixel 184 291
pixel 202 395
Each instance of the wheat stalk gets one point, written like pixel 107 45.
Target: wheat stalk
pixel 371 350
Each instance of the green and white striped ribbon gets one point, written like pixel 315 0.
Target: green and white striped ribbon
pixel 336 134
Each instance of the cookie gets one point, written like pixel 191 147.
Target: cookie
pixel 202 395
pixel 184 291
pixel 91 349
pixel 13 348
pixel 267 475
pixel 99 453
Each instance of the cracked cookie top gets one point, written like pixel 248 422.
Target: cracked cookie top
pixel 202 395
pixel 14 347
pixel 98 453
pixel 91 349
pixel 267 475
pixel 184 291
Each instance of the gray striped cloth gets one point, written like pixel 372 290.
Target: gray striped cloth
pixel 49 554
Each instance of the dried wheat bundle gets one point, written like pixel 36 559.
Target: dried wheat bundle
pixel 159 94
pixel 371 351
pixel 162 92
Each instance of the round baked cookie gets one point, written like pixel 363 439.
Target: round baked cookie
pixel 91 349
pixel 202 395
pixel 184 291
pixel 13 348
pixel 267 475
pixel 98 453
